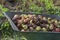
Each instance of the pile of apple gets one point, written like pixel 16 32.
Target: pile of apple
pixel 34 23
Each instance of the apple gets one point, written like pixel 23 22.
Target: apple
pixel 38 28
pixel 57 29
pixel 44 29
